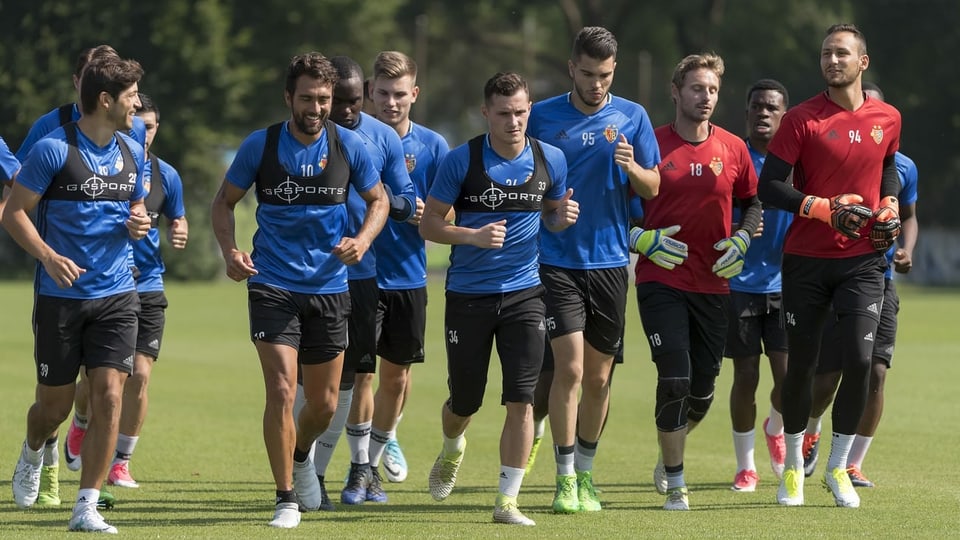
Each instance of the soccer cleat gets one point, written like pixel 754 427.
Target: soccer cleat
pixel 88 519
pixel 49 494
pixel 306 485
pixel 745 481
pixel 25 483
pixel 677 499
pixel 443 474
pixel 394 463
pixel 566 500
pixel 73 446
pixel 660 477
pixel 106 500
pixel 506 511
pixel 811 452
pixel 838 483
pixel 790 492
pixel 375 491
pixel 286 516
pixel 586 494
pixel 325 503
pixel 856 477
pixel 777 449
pixel 355 492
pixel 120 475
pixel 533 455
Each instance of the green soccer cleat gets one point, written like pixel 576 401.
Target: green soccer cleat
pixel 49 494
pixel 106 500
pixel 566 500
pixel 586 493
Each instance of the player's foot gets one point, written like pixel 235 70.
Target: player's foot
pixel 566 499
pixel 286 516
pixel 394 463
pixel 26 483
pixel 533 455
pixel 677 499
pixel 838 483
pixel 88 519
pixel 586 493
pixel 777 449
pixel 120 475
pixel 355 492
pixel 306 485
pixel 811 452
pixel 660 477
pixel 73 445
pixel 49 494
pixel 325 503
pixel 506 511
pixel 375 491
pixel 856 478
pixel 443 474
pixel 106 500
pixel 745 481
pixel 790 492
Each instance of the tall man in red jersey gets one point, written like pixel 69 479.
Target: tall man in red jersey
pixel 841 149
pixel 689 254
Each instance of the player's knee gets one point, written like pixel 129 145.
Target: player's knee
pixel 672 409
pixel 464 406
pixel 878 376
pixel 701 396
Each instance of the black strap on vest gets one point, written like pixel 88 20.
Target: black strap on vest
pixel 156 196
pixel 480 193
pixel 278 186
pixel 76 182
pixel 65 113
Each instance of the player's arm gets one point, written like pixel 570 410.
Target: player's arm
pixel 138 224
pixel 435 228
pixel 239 264
pixel 903 257
pixel 559 214
pixel 351 250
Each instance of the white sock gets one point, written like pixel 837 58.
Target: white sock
pixel 358 438
pixel 675 480
pixel 539 427
pixel 583 456
pixel 813 425
pixel 125 446
pixel 743 447
pixel 510 480
pixel 775 422
pixel 378 440
pixel 455 445
pixel 51 454
pixel 31 456
pixel 564 462
pixel 86 498
pixel 857 452
pixel 794 450
pixel 839 450
pixel 80 421
pixel 326 443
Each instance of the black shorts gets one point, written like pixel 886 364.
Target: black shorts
pixel 680 321
pixel 590 301
pixel 471 322
pixel 402 324
pixel 151 322
pixel 313 324
pixel 883 345
pixel 94 333
pixel 361 355
pixel 755 325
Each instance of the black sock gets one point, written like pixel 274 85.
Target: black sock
pixel 287 496
pixel 299 455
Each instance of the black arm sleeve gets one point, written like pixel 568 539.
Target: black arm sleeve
pixel 890 181
pixel 399 206
pixel 751 212
pixel 773 188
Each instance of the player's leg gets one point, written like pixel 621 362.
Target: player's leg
pixel 743 345
pixel 541 403
pixel 825 384
pixel 77 429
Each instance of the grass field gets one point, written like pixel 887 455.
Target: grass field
pixel 204 473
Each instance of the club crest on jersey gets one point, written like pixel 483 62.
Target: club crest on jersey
pixel 877 134
pixel 323 163
pixel 610 133
pixel 716 166
pixel 411 161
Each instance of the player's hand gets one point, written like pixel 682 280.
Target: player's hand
pixel 568 211
pixel 658 246
pixel 239 265
pixel 138 224
pixel 491 235
pixel 759 232
pixel 178 233
pixel 350 251
pixel 843 213
pixel 417 214
pixel 731 262
pixel 902 261
pixel 886 228
pixel 62 270
pixel 623 154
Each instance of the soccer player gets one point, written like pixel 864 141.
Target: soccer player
pixel 502 185
pixel 899 258
pixel 754 317
pixel 164 197
pixel 9 167
pixel 401 261
pixel 704 171
pixel 302 170
pixel 840 147
pixel 84 179
pixel 609 144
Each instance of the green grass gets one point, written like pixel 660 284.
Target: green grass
pixel 203 467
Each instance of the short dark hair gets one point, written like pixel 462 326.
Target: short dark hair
pixel 867 85
pixel 108 74
pixel 852 28
pixel 312 64
pixel 147 105
pixel 347 68
pixel 772 85
pixel 92 53
pixel 504 84
pixel 596 42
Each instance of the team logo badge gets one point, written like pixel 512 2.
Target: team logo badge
pixel 610 132
pixel 323 163
pixel 411 161
pixel 716 166
pixel 877 134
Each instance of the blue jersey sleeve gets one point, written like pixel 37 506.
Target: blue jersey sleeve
pixel 450 174
pixel 908 179
pixel 646 150
pixel 363 175
pixel 43 162
pixel 395 173
pixel 9 165
pixel 173 191
pixel 557 165
pixel 243 171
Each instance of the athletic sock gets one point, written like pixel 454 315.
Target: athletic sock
pixel 583 454
pixel 675 476
pixel 743 447
pixel 858 452
pixel 839 450
pixel 378 441
pixel 510 480
pixel 125 447
pixel 565 458
pixel 327 441
pixel 51 454
pixel 31 456
pixel 539 427
pixel 454 445
pixel 80 421
pixel 775 424
pixel 794 450
pixel 358 438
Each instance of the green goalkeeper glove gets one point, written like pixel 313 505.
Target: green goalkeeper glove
pixel 731 262
pixel 658 246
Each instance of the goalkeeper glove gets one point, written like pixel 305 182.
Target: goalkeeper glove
pixel 731 262
pixel 886 228
pixel 843 212
pixel 658 246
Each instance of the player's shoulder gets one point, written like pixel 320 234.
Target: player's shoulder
pixel 134 145
pixel 551 152
pixel 427 136
pixel 550 104
pixel 904 162
pixel 882 107
pixel 728 138
pixel 348 136
pixel 625 106
pixel 664 131
pixel 375 127
pixel 166 169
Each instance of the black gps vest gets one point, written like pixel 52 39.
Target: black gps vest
pixel 76 182
pixel 277 186
pixel 156 196
pixel 480 193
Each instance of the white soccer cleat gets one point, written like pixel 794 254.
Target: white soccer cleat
pixel 507 512
pixel 677 499
pixel 790 492
pixel 660 477
pixel 443 475
pixel 837 482
pixel 25 483
pixel 307 485
pixel 394 462
pixel 89 520
pixel 287 516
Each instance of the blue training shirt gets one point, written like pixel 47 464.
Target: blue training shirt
pixel 292 248
pixel 93 234
pixel 9 164
pixel 514 266
pixel 599 238
pixel 146 252
pixel 907 171
pixel 401 253
pixel 51 121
